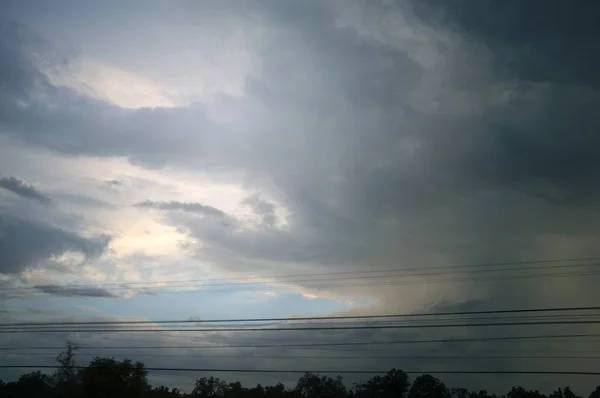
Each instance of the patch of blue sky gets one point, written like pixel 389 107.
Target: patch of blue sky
pixel 204 304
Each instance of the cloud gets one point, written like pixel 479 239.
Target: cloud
pixel 66 291
pixel 265 210
pixel 113 184
pixel 393 148
pixel 22 189
pixel 397 135
pixel 27 243
pixel 183 206
pixel 113 85
pixel 84 201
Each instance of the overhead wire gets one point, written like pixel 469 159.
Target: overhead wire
pixel 327 344
pixel 316 357
pixel 313 318
pixel 342 371
pixel 336 286
pixel 72 288
pixel 286 329
pixel 283 276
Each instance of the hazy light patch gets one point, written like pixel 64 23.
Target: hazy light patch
pixel 91 310
pixel 140 233
pixel 87 175
pixel 36 276
pixel 69 260
pixel 113 85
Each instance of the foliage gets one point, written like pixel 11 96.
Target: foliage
pixel 109 378
pixel 427 386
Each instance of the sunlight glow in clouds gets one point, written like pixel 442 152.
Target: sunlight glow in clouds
pixel 182 140
pixel 113 85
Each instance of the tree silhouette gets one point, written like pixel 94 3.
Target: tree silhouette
pixel 65 377
pixel 109 378
pixel 164 392
pixel 520 392
pixel 313 386
pixel 563 393
pixel 595 393
pixel 30 385
pixel 211 387
pixel 394 384
pixel 427 386
pixel 460 393
pixel 106 377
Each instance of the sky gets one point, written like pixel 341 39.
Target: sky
pixel 151 148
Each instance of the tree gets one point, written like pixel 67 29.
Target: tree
pixel 563 393
pixel 106 377
pixel 65 377
pixel 313 386
pixel 395 384
pixel 371 388
pixel 460 393
pixel 30 385
pixel 481 394
pixel 211 387
pixel 276 391
pixel 595 393
pixel 520 392
pixel 164 392
pixel 427 386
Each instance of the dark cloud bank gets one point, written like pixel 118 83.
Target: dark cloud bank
pixel 22 189
pixel 26 243
pixel 422 133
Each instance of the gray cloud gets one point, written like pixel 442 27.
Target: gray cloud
pixel 397 135
pixel 26 243
pixel 84 201
pixel 112 184
pixel 67 291
pixel 183 206
pixel 22 189
pixel 264 208
pixel 382 146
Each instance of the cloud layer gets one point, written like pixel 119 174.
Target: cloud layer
pixel 22 189
pixel 348 136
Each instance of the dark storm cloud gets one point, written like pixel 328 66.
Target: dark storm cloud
pixel 397 135
pixel 531 40
pixel 63 291
pixel 22 189
pixel 183 206
pixel 392 140
pixel 25 243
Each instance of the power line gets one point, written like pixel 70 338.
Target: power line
pixel 312 278
pixel 126 286
pixel 313 318
pixel 353 343
pixel 388 282
pixel 280 276
pixel 345 371
pixel 361 357
pixel 287 329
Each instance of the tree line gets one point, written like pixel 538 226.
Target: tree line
pixel 110 378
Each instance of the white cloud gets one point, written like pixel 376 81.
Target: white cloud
pixel 116 86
